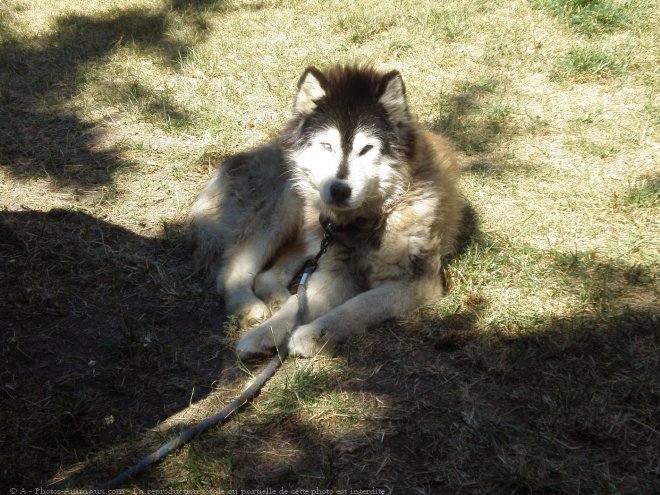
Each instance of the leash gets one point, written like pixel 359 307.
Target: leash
pixel 247 395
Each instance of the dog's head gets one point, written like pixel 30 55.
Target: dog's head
pixel 350 131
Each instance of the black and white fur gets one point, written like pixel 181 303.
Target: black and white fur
pixel 352 155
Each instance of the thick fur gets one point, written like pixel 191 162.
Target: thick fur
pixel 352 155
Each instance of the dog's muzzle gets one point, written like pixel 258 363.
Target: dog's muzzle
pixel 336 193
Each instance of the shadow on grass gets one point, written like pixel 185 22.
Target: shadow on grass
pixel 40 135
pixel 100 343
pixel 470 121
pixel 102 335
pixel 184 5
pixel 477 122
pixel 562 396
pixel 538 414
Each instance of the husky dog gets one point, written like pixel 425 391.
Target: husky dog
pixel 353 157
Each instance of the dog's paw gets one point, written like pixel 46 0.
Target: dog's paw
pixel 254 314
pixel 308 341
pixel 276 300
pixel 259 340
pixel 268 288
pixel 250 312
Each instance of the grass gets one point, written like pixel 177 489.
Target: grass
pixel 584 63
pixel 591 16
pixel 645 194
pixel 447 25
pixel 360 28
pixel 537 373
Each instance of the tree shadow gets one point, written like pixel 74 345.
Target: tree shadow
pixel 40 134
pixel 558 397
pixel 528 414
pixel 103 333
pixel 463 120
pixel 100 342
pixel 319 457
pixel 476 123
pixel 183 5
pixel 540 411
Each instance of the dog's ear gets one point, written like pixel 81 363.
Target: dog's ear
pixel 393 97
pixel 310 89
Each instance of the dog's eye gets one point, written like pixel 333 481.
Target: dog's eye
pixel 327 146
pixel 365 150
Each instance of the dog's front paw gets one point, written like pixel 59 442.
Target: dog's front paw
pixel 254 314
pixel 308 341
pixel 259 340
pixel 269 289
pixel 250 311
pixel 277 299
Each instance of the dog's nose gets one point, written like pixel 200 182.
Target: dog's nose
pixel 340 192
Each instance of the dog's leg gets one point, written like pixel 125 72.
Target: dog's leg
pixel 272 285
pixel 325 290
pixel 236 278
pixel 389 300
pixel 271 333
